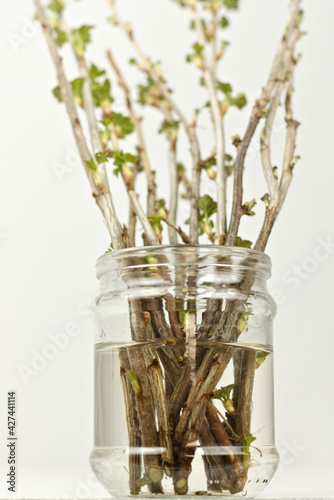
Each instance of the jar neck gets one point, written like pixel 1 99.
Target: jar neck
pixel 191 265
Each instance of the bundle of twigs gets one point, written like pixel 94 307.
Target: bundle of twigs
pixel 158 385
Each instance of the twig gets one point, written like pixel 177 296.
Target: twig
pixel 189 129
pixel 142 149
pixel 289 159
pixel 132 424
pixel 129 184
pixel 183 235
pixel 174 191
pixel 100 190
pixel 256 115
pixel 151 237
pixel 132 214
pixel 211 85
pixel 265 143
pixel 155 378
pixel 89 107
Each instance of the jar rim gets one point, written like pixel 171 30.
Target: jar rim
pixel 109 260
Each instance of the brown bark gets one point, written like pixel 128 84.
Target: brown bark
pixel 133 427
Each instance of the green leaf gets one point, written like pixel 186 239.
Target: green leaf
pixel 246 442
pixel 101 90
pixel 198 48
pixel 170 129
pixel 206 205
pixel 57 94
pixel 224 22
pixel 231 4
pixel 123 124
pixel 101 93
pixel 248 207
pixel 121 160
pixel 134 382
pixel 102 157
pixel 120 157
pixel 261 356
pixel 239 101
pixel 202 81
pixel 266 200
pixel 210 162
pixel 243 243
pixel 196 56
pixel 81 37
pixel 92 165
pixel 242 323
pixel 224 393
pixel 56 6
pixel 94 168
pixel 94 72
pixel 181 3
pixel 226 88
pixel 204 27
pixel 61 38
pixel 149 93
pixel 77 85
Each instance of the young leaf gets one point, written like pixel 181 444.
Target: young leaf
pixel 133 61
pixel 76 86
pixel 120 158
pixel 134 382
pixel 123 124
pixel 239 101
pixel 196 56
pixel 94 72
pixel 246 442
pixel 61 37
pixel 149 93
pixel 170 129
pixel 56 6
pixel 261 356
pixel 207 165
pixel 91 165
pixel 243 243
pixel 266 200
pixel 224 22
pixel 229 164
pixel 94 169
pixel 81 37
pixel 57 94
pixel 242 323
pixel 102 93
pixel 121 161
pixel 207 205
pixel 248 206
pixel 224 395
pixel 231 4
pixel 226 88
pixel 102 157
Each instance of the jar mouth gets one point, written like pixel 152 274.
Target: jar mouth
pixel 242 257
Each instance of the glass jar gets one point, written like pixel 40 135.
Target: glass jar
pixel 184 372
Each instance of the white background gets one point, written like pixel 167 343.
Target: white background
pixel 51 235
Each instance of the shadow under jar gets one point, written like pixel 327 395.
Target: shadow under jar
pixel 184 372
